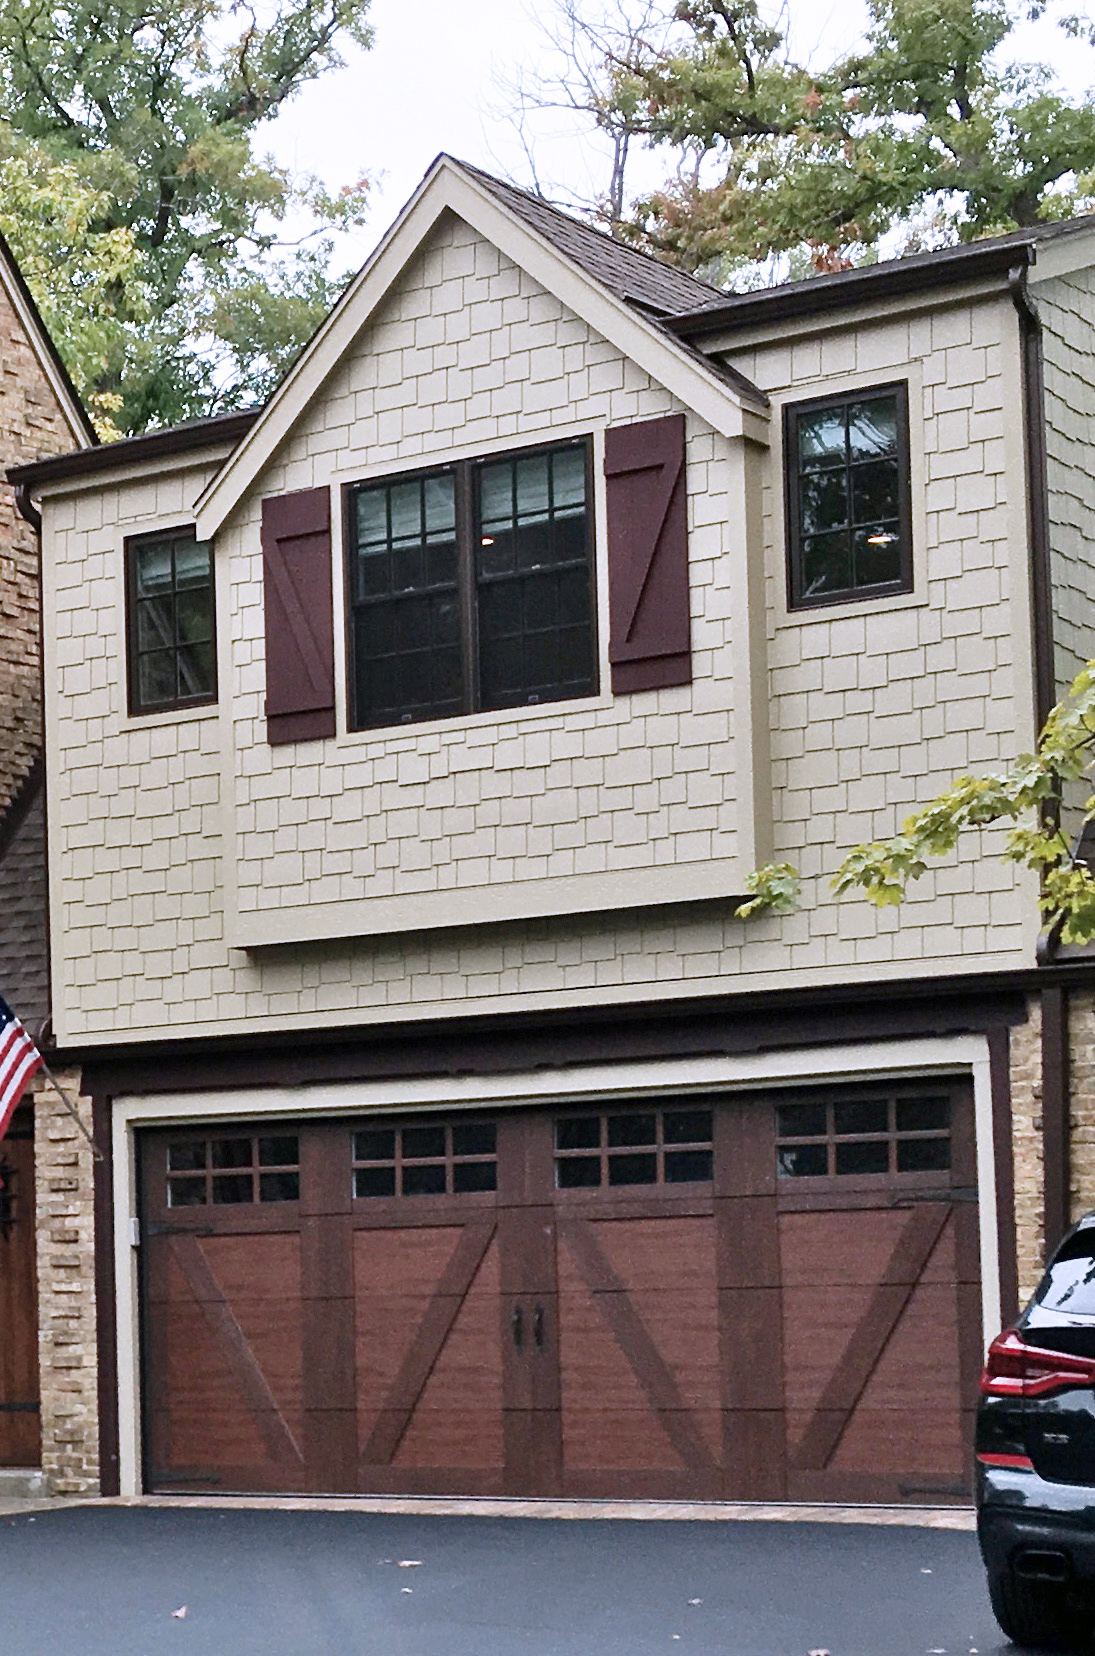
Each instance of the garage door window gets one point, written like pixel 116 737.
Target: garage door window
pixel 434 1159
pixel 218 1171
pixel 842 1137
pixel 636 1147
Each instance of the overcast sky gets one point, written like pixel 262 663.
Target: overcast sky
pixel 428 85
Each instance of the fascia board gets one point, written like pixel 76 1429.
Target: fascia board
pixel 448 188
pixel 133 471
pixel 75 414
pixel 1062 257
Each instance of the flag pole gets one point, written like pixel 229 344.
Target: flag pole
pixel 71 1108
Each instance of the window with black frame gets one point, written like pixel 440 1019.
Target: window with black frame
pixel 471 588
pixel 849 527
pixel 171 622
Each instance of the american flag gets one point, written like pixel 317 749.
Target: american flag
pixel 19 1060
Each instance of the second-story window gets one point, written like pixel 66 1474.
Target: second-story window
pixel 471 588
pixel 170 599
pixel 849 527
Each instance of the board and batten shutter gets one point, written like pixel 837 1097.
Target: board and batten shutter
pixel 300 645
pixel 649 637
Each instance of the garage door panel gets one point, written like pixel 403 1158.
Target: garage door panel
pixel 895 1440
pixel 814 1250
pixel 613 1439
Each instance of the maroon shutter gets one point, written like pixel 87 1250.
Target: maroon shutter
pixel 300 642
pixel 649 641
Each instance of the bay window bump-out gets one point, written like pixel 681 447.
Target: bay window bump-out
pixel 470 587
pixel 849 518
pixel 170 621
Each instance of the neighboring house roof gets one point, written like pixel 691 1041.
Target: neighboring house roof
pixel 24 930
pixel 41 343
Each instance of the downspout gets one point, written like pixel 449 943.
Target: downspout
pixel 1056 1121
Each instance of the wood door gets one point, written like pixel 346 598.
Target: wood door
pixel 20 1425
pixel 639 1369
pixel 880 1314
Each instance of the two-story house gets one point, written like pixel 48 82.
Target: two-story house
pixel 410 742
pixel 40 415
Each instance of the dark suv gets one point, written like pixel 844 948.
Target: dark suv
pixel 1036 1457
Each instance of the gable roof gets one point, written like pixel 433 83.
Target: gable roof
pixel 726 399
pixel 634 276
pixel 41 343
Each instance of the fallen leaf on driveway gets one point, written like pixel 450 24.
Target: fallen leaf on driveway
pixel 180 1613
pixel 925 1572
pixel 409 1563
pixel 819 1653
pixel 406 1589
pixel 695 1601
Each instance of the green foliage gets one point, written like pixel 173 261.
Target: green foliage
pixel 922 129
pixel 131 128
pixel 774 888
pixel 1028 796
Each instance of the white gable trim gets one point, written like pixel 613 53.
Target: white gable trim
pixel 74 412
pixel 448 188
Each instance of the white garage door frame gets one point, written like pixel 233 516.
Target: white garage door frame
pixel 859 1062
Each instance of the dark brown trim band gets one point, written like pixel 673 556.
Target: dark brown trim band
pixel 106 1306
pixel 1003 1156
pixel 1055 1116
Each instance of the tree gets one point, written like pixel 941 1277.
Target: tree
pixel 1032 796
pixel 923 131
pixel 139 121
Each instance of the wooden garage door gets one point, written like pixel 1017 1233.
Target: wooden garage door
pixel 700 1297
pixel 20 1428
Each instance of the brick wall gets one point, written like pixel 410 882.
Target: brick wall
pixel 66 1291
pixel 1026 1116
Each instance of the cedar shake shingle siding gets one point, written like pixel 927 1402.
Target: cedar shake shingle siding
pixel 24 960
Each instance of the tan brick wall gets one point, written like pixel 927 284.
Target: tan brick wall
pixel 66 1292
pixel 1082 1100
pixel 31 426
pixel 1026 1117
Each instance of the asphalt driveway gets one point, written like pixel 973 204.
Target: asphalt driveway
pixel 106 1581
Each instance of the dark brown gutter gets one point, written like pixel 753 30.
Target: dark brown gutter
pixel 154 445
pixel 974 262
pixel 1034 443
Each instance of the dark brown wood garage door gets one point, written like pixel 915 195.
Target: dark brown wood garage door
pixel 697 1297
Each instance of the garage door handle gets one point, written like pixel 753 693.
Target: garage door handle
pixel 538 1327
pixel 517 1323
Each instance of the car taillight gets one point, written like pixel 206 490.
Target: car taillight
pixel 1015 1369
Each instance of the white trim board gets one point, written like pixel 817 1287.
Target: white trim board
pixel 966 1054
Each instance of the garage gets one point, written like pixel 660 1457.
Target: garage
pixel 686 1297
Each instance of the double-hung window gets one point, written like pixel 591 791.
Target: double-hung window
pixel 471 587
pixel 849 521
pixel 170 605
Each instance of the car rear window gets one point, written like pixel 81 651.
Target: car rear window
pixel 1069 1283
